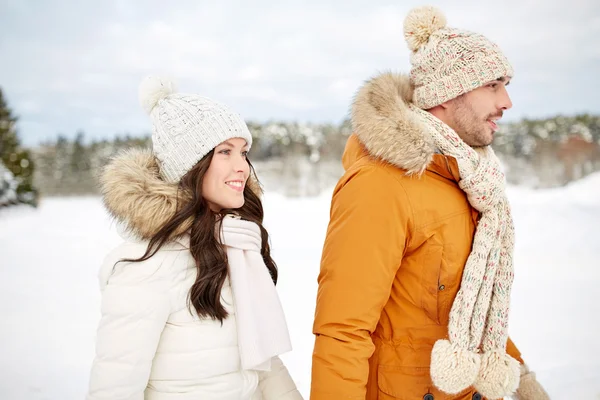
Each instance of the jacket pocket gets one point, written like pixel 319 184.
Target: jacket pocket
pixel 410 383
pixel 430 279
pixel 403 383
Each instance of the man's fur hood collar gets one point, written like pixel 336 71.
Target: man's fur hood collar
pixel 385 123
pixel 135 195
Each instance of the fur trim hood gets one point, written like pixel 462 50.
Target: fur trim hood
pixel 134 193
pixel 384 123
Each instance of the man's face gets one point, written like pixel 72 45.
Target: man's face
pixel 473 115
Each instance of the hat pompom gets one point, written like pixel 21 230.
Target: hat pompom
pixel 420 24
pixel 152 90
pixel 453 369
pixel 499 375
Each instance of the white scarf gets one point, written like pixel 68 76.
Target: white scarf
pixel 475 354
pixel 261 325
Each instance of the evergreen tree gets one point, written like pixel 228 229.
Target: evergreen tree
pixel 15 158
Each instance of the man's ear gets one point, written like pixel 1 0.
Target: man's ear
pixel 440 109
pixel 445 104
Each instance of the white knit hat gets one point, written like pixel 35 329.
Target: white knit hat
pixel 448 62
pixel 186 127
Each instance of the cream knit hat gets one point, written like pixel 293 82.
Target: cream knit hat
pixel 186 127
pixel 448 62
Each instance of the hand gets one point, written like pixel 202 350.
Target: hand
pixel 529 387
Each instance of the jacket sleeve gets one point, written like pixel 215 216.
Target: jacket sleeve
pixel 135 308
pixel 363 250
pixel 277 384
pixel 513 351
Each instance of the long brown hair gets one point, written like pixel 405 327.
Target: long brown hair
pixel 205 246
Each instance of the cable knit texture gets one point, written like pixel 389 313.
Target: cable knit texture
pixel 447 62
pixel 186 127
pixel 479 314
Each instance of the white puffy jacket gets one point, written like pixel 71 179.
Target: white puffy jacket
pixel 150 346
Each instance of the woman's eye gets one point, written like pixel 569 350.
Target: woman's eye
pixel 226 152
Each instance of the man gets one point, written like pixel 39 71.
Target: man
pixel 416 268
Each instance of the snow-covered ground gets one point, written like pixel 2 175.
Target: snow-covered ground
pixel 49 297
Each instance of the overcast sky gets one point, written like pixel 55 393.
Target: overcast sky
pixel 70 65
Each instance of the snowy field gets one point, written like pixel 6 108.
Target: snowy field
pixel 49 297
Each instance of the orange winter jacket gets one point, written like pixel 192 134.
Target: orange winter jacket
pixel 393 259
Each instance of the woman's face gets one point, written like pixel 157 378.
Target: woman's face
pixel 224 181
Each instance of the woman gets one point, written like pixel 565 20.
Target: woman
pixel 189 306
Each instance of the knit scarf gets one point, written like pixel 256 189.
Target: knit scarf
pixel 475 352
pixel 261 326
